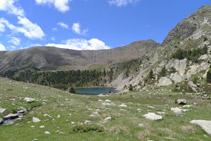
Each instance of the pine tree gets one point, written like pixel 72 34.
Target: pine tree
pixel 151 75
pixel 209 76
pixel 72 90
pixel 163 72
pixel 130 87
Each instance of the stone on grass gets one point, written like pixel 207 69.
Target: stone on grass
pixel 10 116
pixel 87 122
pixel 204 124
pixel 42 126
pixel 108 104
pixel 35 119
pixel 22 110
pixel 107 119
pixel 177 111
pixel 107 100
pixel 29 100
pixel 153 116
pixel 3 111
pixel 47 133
pixel 123 105
pixel 187 106
pixel 140 125
pixel 181 101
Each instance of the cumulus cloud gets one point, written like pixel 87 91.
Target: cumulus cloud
pixel 76 27
pixel 29 29
pixel 2 47
pixel 121 3
pixel 63 25
pixel 61 5
pixel 15 41
pixel 2 27
pixel 82 44
pixel 10 7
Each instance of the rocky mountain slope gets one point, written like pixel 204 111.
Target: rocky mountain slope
pixel 184 58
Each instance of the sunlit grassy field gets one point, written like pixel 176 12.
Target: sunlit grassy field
pixel 80 117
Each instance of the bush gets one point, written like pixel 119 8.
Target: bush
pixel 72 90
pixel 209 76
pixel 163 72
pixel 130 87
pixel 86 128
pixel 192 55
pixel 151 75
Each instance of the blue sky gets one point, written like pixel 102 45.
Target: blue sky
pixel 89 24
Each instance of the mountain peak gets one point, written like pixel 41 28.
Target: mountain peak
pixel 197 22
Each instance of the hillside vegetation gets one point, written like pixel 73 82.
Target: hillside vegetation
pixel 65 116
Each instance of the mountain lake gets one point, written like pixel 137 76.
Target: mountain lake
pixel 95 91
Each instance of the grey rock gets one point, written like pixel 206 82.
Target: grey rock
pixel 123 105
pixel 3 111
pixel 10 116
pixel 181 101
pixel 204 124
pixel 35 119
pixel 153 116
pixel 1 120
pixel 164 81
pixel 177 111
pixel 29 100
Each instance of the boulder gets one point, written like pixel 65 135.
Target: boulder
pixel 176 77
pixel 181 101
pixel 10 116
pixel 177 111
pixel 204 124
pixel 4 111
pixel 153 116
pixel 35 120
pixel 29 100
pixel 164 81
pixel 22 110
pixel 1 120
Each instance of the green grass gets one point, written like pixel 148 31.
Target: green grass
pixel 122 126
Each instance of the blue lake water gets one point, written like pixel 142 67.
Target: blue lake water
pixel 95 91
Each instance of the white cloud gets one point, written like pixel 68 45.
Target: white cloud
pixel 82 44
pixel 2 47
pixel 63 25
pixel 2 27
pixel 120 3
pixel 53 38
pixel 15 41
pixel 61 5
pixel 9 7
pixel 76 27
pixel 29 29
pixel 54 29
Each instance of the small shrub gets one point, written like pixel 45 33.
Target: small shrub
pixel 163 72
pixel 209 76
pixel 86 128
pixel 72 90
pixel 130 87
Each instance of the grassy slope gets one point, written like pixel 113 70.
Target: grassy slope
pixel 124 123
